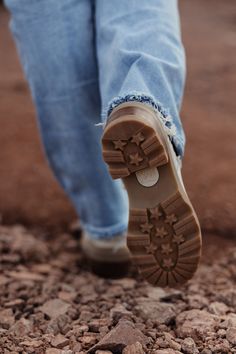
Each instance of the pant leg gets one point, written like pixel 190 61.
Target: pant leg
pixel 141 57
pixel 55 39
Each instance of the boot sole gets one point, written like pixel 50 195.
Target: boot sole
pixel 164 235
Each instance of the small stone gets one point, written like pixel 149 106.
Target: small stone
pixel 78 330
pixel 24 275
pixel 126 283
pixel 118 312
pixel 188 346
pixel 221 347
pixel 96 325
pixel 60 324
pixel 86 316
pixel 77 347
pixel 160 312
pixel 67 296
pixel 229 321
pixel 171 295
pixel 3 280
pixel 171 342
pixel 119 337
pixel 6 318
pixel 161 342
pixel 59 341
pixel 10 258
pixel 103 352
pixel 228 296
pixel 103 330
pixel 53 351
pixel 42 268
pixel 88 340
pixel 22 327
pixel 28 246
pixel 32 343
pixel 218 308
pixel 166 351
pixel 14 303
pixel 196 323
pixel 197 301
pixel 115 291
pixel 54 308
pixel 152 334
pixel 156 293
pixel 231 335
pixel 221 333
pixel 135 348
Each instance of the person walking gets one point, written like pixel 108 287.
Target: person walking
pixel 114 71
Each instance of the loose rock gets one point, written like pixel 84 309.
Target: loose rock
pixel 119 312
pixel 54 308
pixel 135 348
pixel 196 323
pixel 59 341
pixel 159 312
pixel 32 343
pixel 231 335
pixel 58 307
pixel 6 319
pixel 119 337
pixel 22 327
pixel 188 346
pixel 53 351
pixel 167 351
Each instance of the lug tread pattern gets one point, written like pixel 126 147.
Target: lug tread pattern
pixel 129 147
pixel 165 242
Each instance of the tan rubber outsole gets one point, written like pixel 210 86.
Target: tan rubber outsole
pixel 164 235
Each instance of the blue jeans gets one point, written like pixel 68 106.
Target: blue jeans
pixel 82 58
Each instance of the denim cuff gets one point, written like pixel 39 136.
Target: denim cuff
pixel 161 112
pixel 104 233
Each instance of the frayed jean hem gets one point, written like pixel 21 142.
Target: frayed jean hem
pixel 105 233
pixel 162 114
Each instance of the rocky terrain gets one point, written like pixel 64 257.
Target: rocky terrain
pixel 51 303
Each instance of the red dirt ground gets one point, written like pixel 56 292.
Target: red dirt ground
pixel 49 301
pixel 28 191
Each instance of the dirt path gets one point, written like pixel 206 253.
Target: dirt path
pixel 49 301
pixel 208 115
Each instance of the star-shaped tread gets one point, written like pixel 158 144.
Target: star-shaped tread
pixel 151 248
pixel 155 213
pixel 137 138
pixel 167 263
pixel 135 159
pixel 170 219
pixel 166 249
pixel 178 239
pixel 119 144
pixel 161 232
pixel 146 227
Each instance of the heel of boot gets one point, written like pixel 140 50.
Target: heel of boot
pixel 130 144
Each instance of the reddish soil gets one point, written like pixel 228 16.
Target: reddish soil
pixel 28 191
pixel 49 301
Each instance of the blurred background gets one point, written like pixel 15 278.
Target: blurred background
pixel 29 193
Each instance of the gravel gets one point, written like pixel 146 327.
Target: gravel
pixel 51 303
